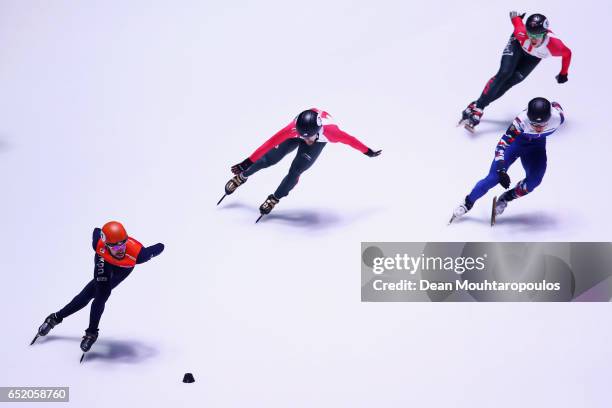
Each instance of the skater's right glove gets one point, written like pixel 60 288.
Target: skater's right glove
pixel 242 166
pixel 503 178
pixel 372 153
pixel 561 78
pixel 516 14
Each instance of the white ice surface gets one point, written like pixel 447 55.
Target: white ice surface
pixel 135 111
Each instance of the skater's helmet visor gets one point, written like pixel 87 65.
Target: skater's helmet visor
pixel 117 246
pixel 536 36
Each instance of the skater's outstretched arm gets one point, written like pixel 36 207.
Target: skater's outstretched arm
pixel 334 134
pixel 146 254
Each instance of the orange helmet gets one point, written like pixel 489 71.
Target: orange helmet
pixel 113 232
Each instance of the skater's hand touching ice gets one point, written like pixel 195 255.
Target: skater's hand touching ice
pixel 242 166
pixel 372 153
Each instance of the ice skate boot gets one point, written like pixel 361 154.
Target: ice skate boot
pixel 235 182
pixel 267 206
pixel 232 185
pixel 50 322
pixel 89 339
pixel 467 112
pixel 461 209
pixel 474 119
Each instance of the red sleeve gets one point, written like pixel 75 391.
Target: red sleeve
pixel 520 32
pixel 334 135
pixel 280 136
pixel 558 49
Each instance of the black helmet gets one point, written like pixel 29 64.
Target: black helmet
pixel 537 24
pixel 538 110
pixel 308 123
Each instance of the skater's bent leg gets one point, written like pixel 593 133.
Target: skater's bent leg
pixel 483 186
pixel 509 62
pixel 524 68
pixel 272 157
pixel 491 180
pixel 534 163
pixel 306 156
pixel 516 78
pixel 102 293
pixel 79 302
pixel 527 64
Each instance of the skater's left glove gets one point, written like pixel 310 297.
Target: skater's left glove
pixel 242 166
pixel 516 14
pixel 372 153
pixel 561 78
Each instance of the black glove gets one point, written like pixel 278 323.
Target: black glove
pixel 503 178
pixel 372 153
pixel 242 166
pixel 561 78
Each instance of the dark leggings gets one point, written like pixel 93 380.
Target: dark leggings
pixel 99 292
pixel 515 66
pixel 306 156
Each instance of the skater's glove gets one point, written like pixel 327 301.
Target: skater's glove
pixel 516 14
pixel 561 78
pixel 503 178
pixel 242 166
pixel 372 153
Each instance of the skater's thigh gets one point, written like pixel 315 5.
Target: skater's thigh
pixel 306 156
pixel 314 150
pixel 526 65
pixel 511 154
pixel 285 148
pixel 118 277
pixel 275 154
pixel 102 290
pixel 534 163
pixel 509 59
pixel 89 290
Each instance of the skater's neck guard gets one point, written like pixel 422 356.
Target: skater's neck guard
pixel 132 250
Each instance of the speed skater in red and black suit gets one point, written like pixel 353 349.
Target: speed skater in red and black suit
pixel 309 133
pixel 529 43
